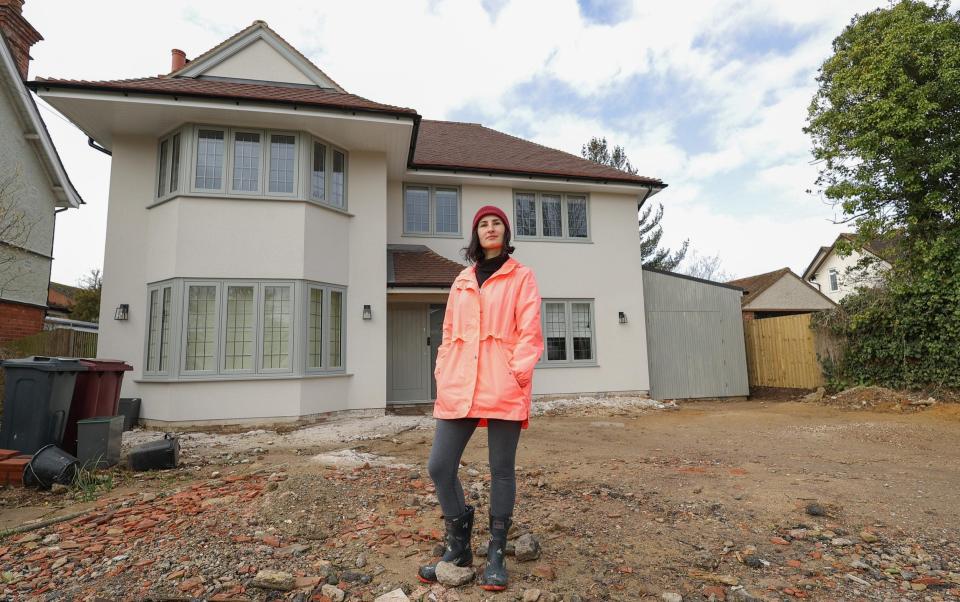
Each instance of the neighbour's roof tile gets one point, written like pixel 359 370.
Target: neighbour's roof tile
pixel 450 145
pixel 418 265
pixel 754 285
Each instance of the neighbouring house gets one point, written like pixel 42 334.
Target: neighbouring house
pixel 837 277
pixel 280 249
pixel 60 299
pixel 34 186
pixel 779 293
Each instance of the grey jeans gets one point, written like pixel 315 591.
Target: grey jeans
pixel 451 439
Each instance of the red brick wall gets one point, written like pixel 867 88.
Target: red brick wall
pixel 18 320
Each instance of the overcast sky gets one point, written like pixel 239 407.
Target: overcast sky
pixel 710 96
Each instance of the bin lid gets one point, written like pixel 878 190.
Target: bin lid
pixel 105 365
pixel 46 364
pixel 96 419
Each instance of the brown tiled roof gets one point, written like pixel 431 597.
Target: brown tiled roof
pixel 185 86
pixel 470 146
pixel 417 265
pixel 754 285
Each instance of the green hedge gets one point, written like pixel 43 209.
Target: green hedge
pixel 906 333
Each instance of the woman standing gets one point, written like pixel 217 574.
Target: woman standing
pixel 484 373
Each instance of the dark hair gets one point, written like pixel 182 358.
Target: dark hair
pixel 474 252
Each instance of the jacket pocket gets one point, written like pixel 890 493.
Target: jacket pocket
pixel 506 362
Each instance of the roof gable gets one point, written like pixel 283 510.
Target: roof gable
pixel 879 248
pixel 259 54
pixel 780 290
pixel 35 130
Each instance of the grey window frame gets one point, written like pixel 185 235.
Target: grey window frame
pixel 329 149
pixel 268 148
pixel 564 216
pixel 346 177
pixel 325 367
pixel 543 362
pixel 227 163
pixel 230 160
pixel 302 167
pixel 165 167
pixel 298 360
pixel 833 277
pixel 432 210
pixel 184 318
pixel 172 347
pixel 222 332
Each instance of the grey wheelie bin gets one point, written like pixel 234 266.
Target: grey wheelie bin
pixel 37 400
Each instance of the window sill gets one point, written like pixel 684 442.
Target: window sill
pixel 425 235
pixel 552 239
pixel 246 377
pixel 244 197
pixel 568 365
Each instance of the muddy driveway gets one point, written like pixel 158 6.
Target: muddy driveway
pixel 749 500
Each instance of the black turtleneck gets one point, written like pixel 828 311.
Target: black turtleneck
pixel 488 267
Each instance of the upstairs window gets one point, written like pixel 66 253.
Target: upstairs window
pixel 244 162
pixel 551 216
pixel 431 210
pixel 834 281
pixel 210 155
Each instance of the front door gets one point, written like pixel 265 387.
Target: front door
pixel 414 332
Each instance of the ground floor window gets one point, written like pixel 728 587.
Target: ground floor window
pixel 568 332
pixel 243 328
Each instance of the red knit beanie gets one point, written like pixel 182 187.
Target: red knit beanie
pixel 490 210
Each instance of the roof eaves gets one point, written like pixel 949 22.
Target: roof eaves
pixel 43 143
pixel 692 278
pixel 117 87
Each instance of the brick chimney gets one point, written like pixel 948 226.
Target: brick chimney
pixel 19 34
pixel 178 59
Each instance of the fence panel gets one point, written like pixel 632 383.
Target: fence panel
pixel 782 352
pixel 58 343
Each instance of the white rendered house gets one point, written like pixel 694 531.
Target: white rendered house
pixel 836 276
pixel 285 249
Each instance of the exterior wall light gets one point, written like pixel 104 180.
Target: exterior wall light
pixel 122 312
pixel 367 313
pixel 623 318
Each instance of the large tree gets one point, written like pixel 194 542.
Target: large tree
pixel 598 151
pixel 885 121
pixel 885 124
pixel 87 307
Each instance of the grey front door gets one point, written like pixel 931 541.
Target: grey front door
pixel 408 353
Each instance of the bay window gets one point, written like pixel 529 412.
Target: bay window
pixel 243 328
pixel 200 160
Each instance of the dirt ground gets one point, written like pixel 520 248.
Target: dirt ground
pixel 767 499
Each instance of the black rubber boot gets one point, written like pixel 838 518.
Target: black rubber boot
pixel 495 572
pixel 458 549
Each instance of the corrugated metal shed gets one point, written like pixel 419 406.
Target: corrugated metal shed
pixel 694 337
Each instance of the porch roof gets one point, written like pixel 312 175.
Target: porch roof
pixel 419 266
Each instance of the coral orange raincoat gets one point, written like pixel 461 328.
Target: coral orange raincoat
pixel 491 342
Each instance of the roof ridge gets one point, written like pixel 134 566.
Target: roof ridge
pixel 584 159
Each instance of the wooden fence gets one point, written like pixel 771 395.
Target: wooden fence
pixel 782 352
pixel 55 343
